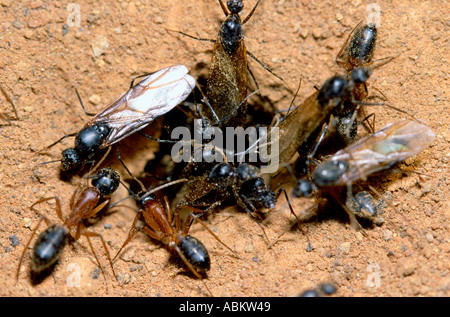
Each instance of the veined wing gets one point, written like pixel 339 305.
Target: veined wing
pixel 154 96
pixel 390 145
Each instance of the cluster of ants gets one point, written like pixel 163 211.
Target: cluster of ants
pixel 198 187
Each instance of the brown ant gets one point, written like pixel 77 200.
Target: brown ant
pixel 163 225
pixel 84 203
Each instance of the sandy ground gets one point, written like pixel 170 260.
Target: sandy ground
pixel 45 54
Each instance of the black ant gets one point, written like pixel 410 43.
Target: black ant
pixel 379 151
pixel 85 203
pixel 223 183
pixel 299 130
pixel 152 97
pixel 357 51
pixel 228 80
pixel 163 225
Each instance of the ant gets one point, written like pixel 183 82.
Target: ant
pixel 227 83
pixel 85 203
pixel 163 225
pixel 299 130
pixel 152 97
pixel 379 151
pixel 224 183
pixel 4 117
pixel 357 51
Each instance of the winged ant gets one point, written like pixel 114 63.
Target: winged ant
pixel 373 153
pixel 152 97
pixel 227 83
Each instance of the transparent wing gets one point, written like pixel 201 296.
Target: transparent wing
pixel 154 96
pixel 392 144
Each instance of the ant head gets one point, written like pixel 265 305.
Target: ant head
pixel 106 181
pixel 303 188
pixel 328 173
pixel 91 138
pixel 220 172
pixel 235 6
pixel 360 75
pixel 70 159
pixel 195 253
pixel 334 89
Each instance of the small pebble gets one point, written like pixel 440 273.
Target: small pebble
pixel 387 235
pixel 95 99
pixel 14 240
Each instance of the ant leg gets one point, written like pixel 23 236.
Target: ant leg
pixel 48 222
pixel 169 214
pixel 322 136
pixel 339 54
pixel 91 114
pixel 53 144
pixel 296 217
pixel 132 85
pixel 224 8
pixel 89 234
pixel 249 212
pixel 295 96
pixel 269 70
pixel 57 202
pixel 131 233
pixel 188 223
pixel 251 13
pixel 192 37
pixel 254 79
pixel 96 209
pixel 128 171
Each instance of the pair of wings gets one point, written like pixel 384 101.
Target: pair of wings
pixel 155 95
pixel 390 145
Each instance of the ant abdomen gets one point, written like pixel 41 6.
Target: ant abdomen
pixel 362 45
pixel 48 247
pixel 195 253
